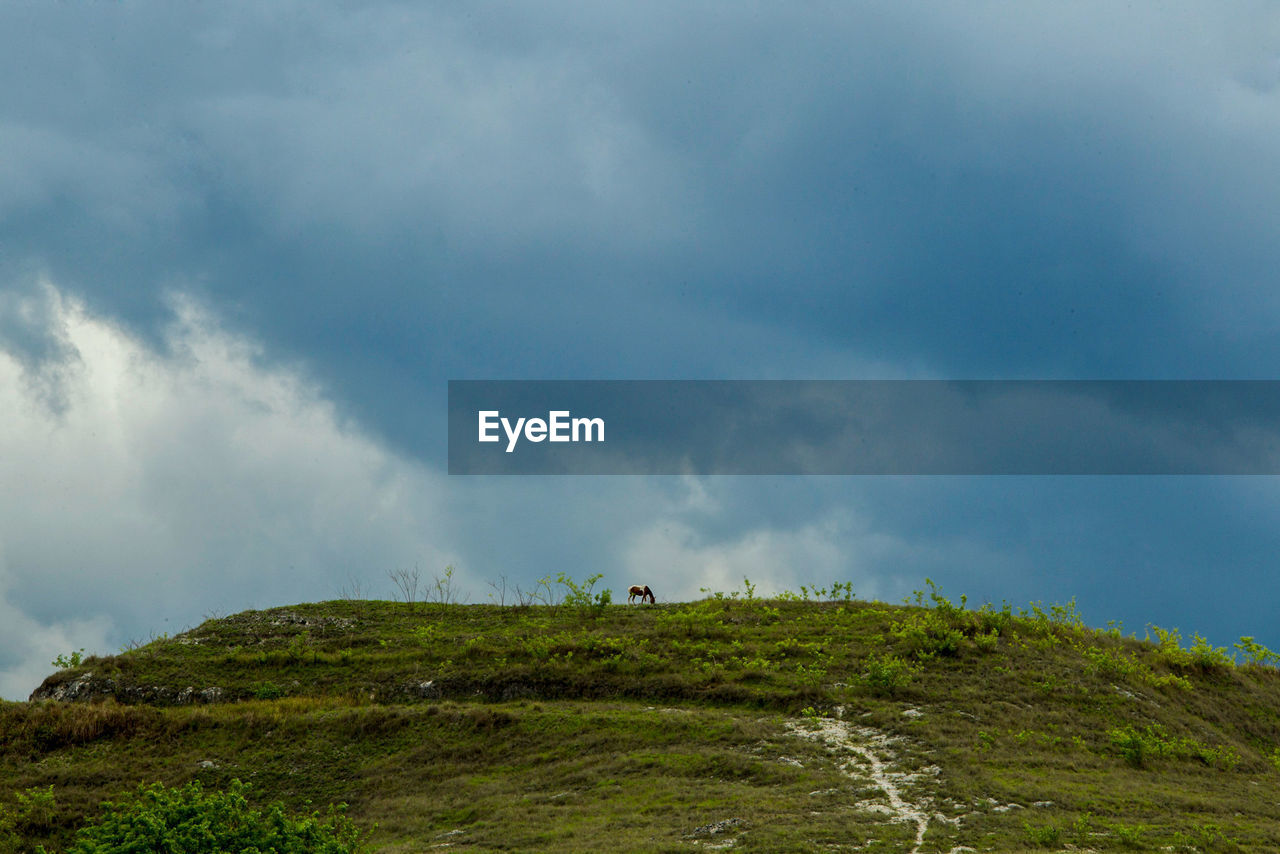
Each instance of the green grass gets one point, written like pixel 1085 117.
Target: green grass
pixel 628 728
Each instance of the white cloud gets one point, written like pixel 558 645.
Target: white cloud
pixel 30 645
pixel 679 562
pixel 177 482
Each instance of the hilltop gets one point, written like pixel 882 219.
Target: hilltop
pixel 800 723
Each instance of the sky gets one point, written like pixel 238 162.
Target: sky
pixel 244 247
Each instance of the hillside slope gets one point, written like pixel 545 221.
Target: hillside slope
pixel 757 725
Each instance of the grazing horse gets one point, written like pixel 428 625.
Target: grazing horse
pixel 643 592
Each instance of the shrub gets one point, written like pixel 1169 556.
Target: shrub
pixel 988 642
pixel 942 630
pixel 33 812
pixel 1045 837
pixel 190 820
pixel 1130 836
pixel 1255 653
pixel 1169 647
pixel 268 691
pixel 62 662
pixel 1208 657
pixel 842 591
pixel 926 634
pixel 1153 742
pixel 581 596
pixel 887 673
pixel 1134 744
pixel 991 620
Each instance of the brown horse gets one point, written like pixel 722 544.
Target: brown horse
pixel 643 592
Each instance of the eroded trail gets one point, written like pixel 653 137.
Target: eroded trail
pixel 876 750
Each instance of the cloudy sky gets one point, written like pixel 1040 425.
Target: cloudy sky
pixel 244 246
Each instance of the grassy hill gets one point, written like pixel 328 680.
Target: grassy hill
pixel 792 724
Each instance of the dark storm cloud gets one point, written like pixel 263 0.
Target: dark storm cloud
pixel 379 197
pixel 400 194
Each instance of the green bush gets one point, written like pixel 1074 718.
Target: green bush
pixel 1255 653
pixel 1169 647
pixel 192 821
pixel 1153 742
pixel 62 662
pixel 926 634
pixel 581 595
pixel 887 673
pixel 32 812
pixel 991 620
pixel 268 691
pixel 945 629
pixel 1044 837
pixel 1208 657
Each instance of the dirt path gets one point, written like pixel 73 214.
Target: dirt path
pixel 877 752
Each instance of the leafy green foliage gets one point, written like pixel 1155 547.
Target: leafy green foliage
pixel 32 813
pixel 581 595
pixel 548 722
pixel 887 673
pixel 1138 745
pixel 268 691
pixel 1202 655
pixel 192 821
pixel 946 630
pixel 1257 654
pixel 64 661
pixel 1046 836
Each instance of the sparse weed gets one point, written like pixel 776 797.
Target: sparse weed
pixel 1130 835
pixel 1044 837
pixel 443 593
pixel 1080 829
pixel 842 591
pixel 1206 837
pixel 297 647
pixel 406 583
pixel 691 621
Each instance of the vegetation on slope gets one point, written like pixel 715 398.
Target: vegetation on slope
pixel 581 725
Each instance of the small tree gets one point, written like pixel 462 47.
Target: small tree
pixel 442 591
pixel 406 582
pixel 581 596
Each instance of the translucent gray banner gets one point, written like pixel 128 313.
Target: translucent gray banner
pixel 896 427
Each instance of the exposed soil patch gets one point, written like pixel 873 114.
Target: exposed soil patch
pixel 872 755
